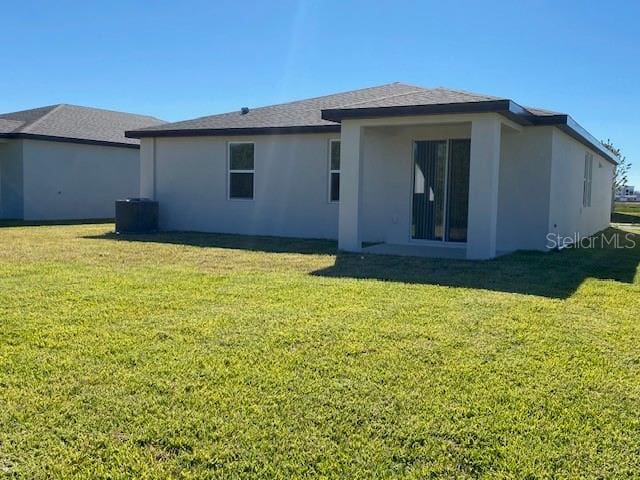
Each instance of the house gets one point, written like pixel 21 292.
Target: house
pixel 388 169
pixel 67 162
pixel 627 193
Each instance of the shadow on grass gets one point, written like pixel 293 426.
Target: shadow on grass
pixel 41 223
pixel 553 274
pixel 619 217
pixel 236 242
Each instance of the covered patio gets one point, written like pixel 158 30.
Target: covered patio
pixel 423 185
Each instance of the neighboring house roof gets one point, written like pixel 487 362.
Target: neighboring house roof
pixel 73 123
pixel 323 114
pixel 7 126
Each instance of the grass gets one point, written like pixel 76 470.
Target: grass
pixel 210 356
pixel 626 212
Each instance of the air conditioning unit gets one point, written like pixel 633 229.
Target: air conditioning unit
pixel 136 215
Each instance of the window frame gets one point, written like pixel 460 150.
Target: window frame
pixel 231 171
pixel 588 180
pixel 333 171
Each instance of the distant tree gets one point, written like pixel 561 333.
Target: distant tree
pixel 622 170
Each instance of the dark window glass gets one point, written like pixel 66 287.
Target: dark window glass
pixel 241 156
pixel 334 171
pixel 430 159
pixel 335 187
pixel 335 155
pixel 241 185
pixel 458 190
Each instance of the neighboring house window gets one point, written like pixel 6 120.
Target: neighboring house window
pixel 334 170
pixel 241 170
pixel 588 176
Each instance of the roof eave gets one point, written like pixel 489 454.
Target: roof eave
pixel 82 141
pixel 507 108
pixel 504 106
pixel 216 132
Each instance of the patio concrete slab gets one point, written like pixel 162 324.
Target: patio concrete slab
pixel 417 250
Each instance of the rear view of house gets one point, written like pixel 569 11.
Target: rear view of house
pixel 403 167
pixel 67 162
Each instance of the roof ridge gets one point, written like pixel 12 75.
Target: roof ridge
pixel 420 90
pixel 385 97
pixel 330 95
pixel 29 125
pixel 55 107
pixel 467 92
pixel 350 91
pixel 108 110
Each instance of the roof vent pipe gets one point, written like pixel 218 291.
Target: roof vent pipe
pixel 244 110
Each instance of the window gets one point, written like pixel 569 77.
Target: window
pixel 241 170
pixel 588 176
pixel 334 170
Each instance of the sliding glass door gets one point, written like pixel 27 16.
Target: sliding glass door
pixel 440 190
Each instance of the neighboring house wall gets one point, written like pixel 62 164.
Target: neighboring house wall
pixel 290 195
pixel 11 179
pixel 567 215
pixel 76 181
pixel 523 199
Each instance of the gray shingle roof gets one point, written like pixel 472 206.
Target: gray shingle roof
pixel 323 113
pixel 292 114
pixel 7 126
pixel 422 96
pixel 74 122
pixel 308 113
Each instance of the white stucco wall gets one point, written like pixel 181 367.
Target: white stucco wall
pixel 147 167
pixel 567 216
pixel 290 195
pixel 523 199
pixel 75 181
pixel 11 179
pixel 540 184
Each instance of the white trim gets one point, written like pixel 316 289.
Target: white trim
pixel 230 171
pixel 331 171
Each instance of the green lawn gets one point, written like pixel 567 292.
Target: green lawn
pixel 626 212
pixel 210 356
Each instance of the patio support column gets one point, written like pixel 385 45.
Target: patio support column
pixel 483 187
pixel 349 235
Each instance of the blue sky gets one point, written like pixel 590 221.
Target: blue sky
pixel 178 60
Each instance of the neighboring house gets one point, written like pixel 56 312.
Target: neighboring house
pixel 67 162
pixel 627 193
pixel 410 168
